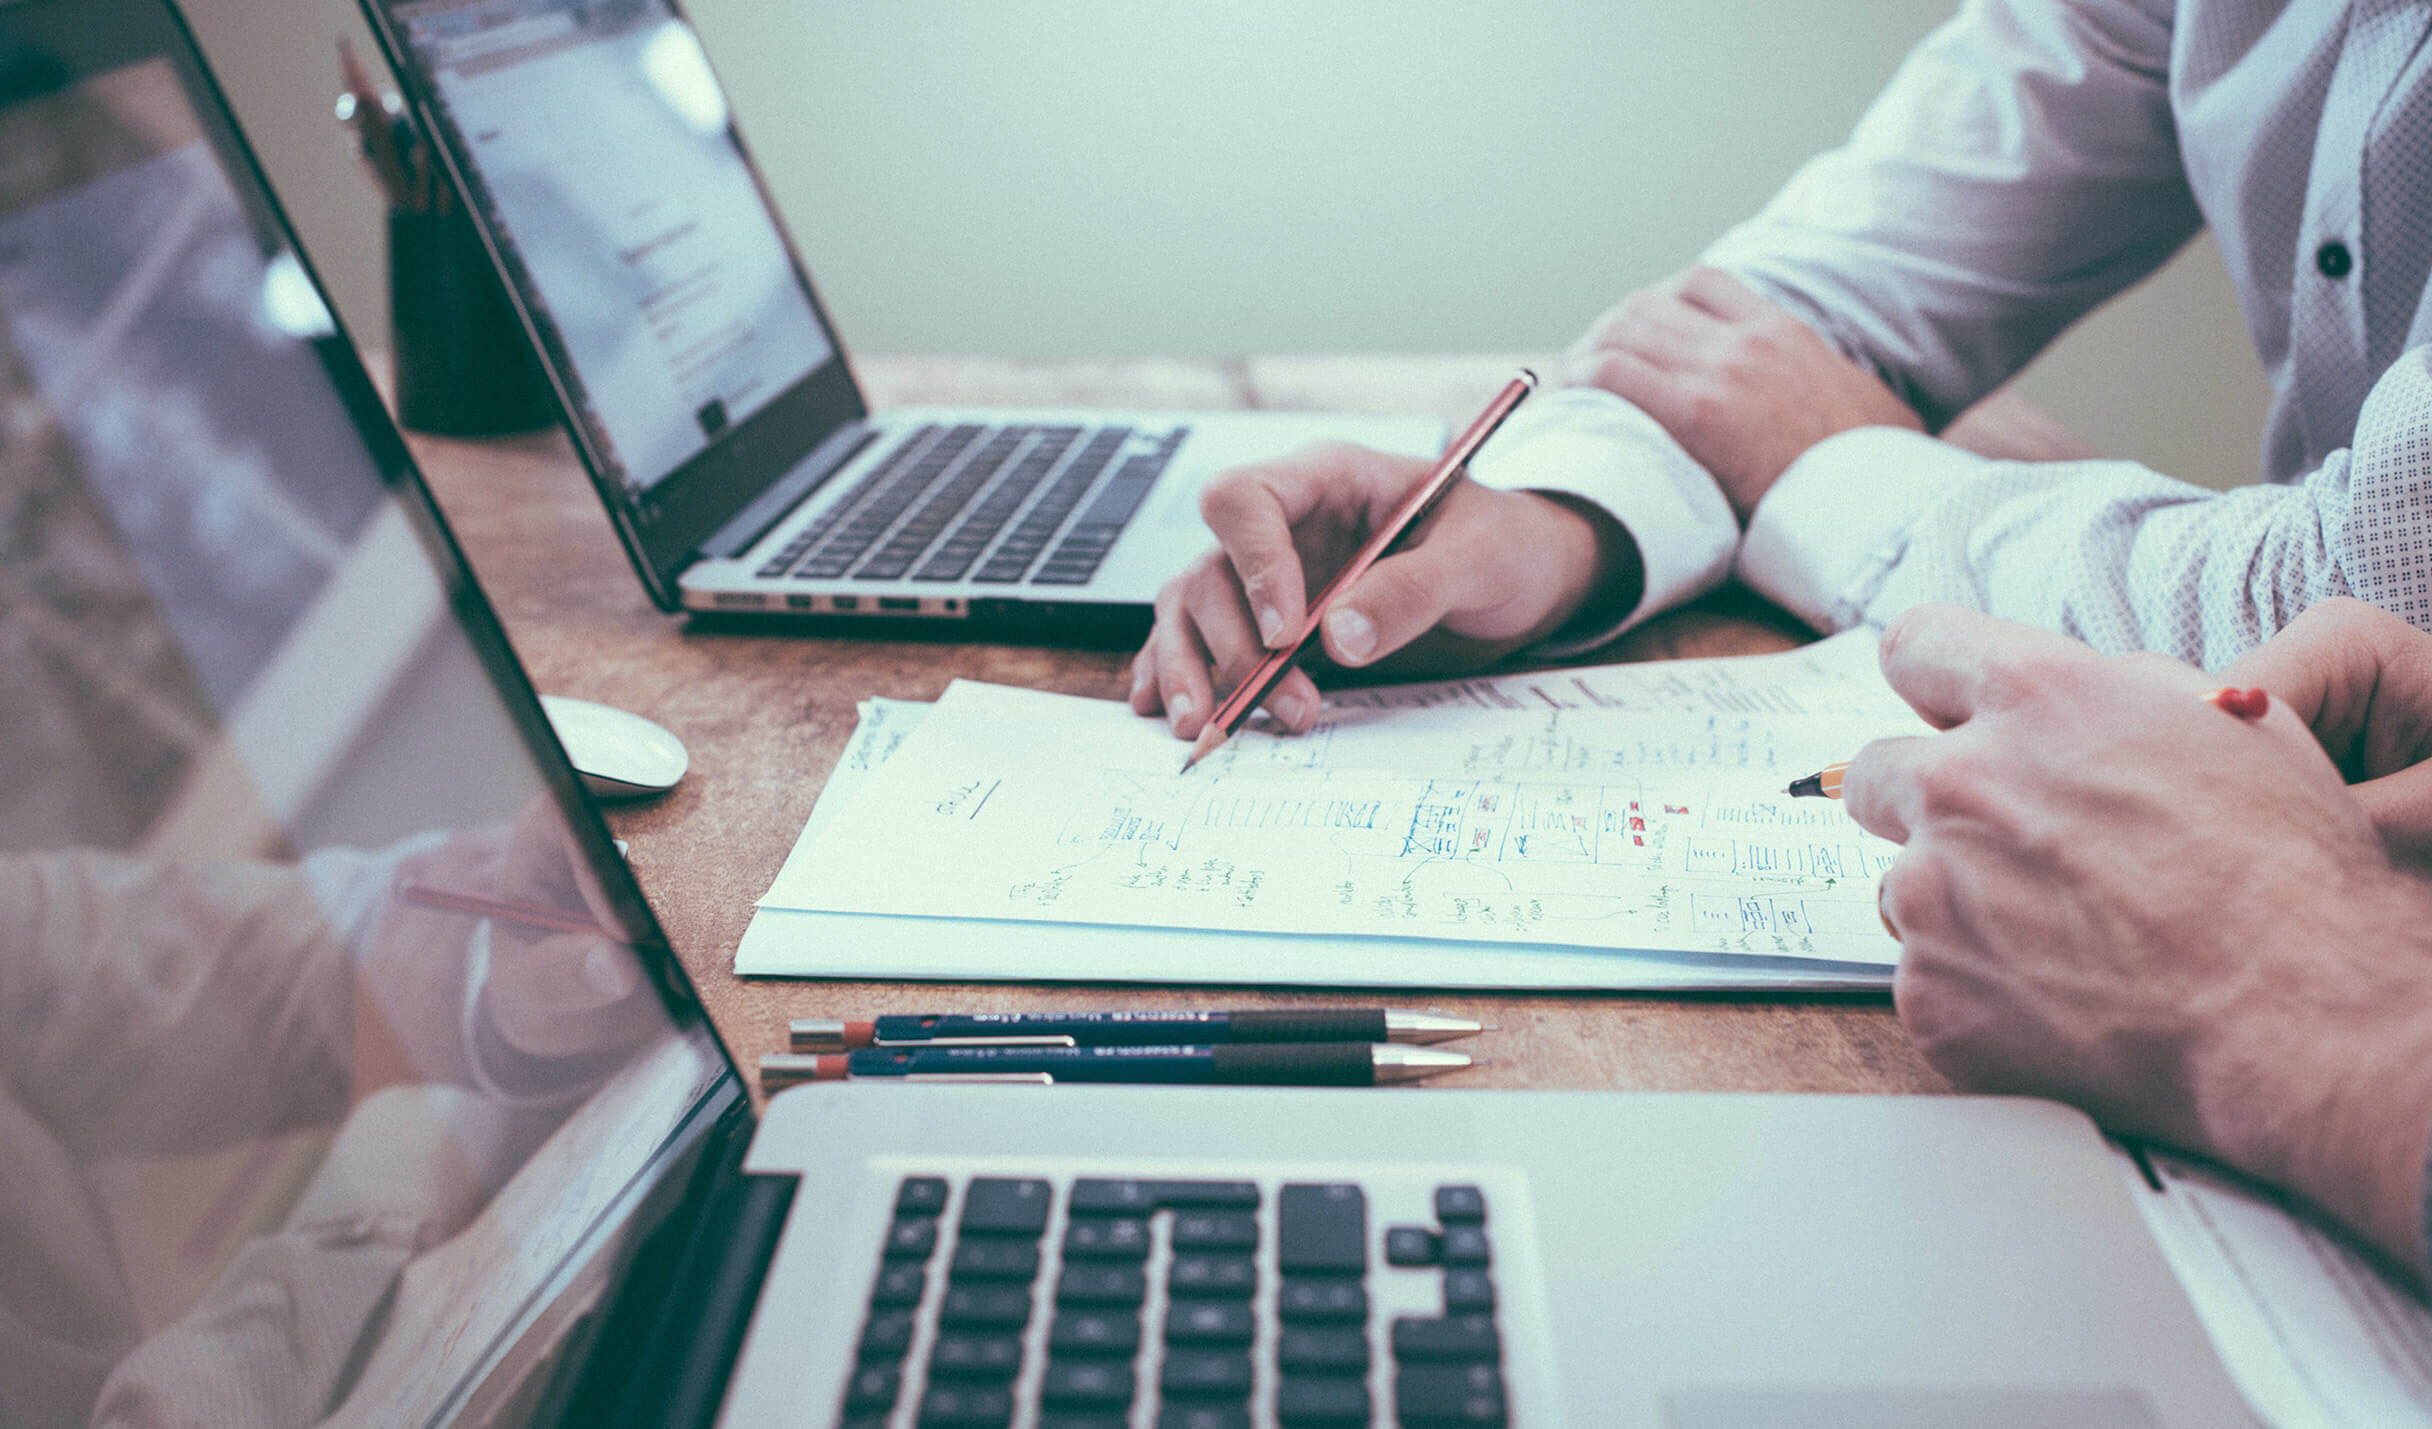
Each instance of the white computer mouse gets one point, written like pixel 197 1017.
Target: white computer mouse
pixel 619 755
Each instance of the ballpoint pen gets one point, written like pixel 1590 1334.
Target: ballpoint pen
pixel 1308 1064
pixel 1113 1029
pixel 1421 499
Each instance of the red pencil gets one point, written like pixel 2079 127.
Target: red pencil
pixel 1235 711
pixel 529 915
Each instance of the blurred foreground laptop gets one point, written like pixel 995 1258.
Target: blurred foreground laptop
pixel 710 397
pixel 345 1075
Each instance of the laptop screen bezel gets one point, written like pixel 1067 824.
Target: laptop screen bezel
pixel 664 528
pixel 91 37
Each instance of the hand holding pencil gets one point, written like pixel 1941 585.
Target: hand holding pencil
pixel 1486 572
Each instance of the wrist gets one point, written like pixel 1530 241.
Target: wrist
pixel 1600 573
pixel 2323 1084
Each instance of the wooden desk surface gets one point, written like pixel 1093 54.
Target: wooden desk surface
pixel 766 716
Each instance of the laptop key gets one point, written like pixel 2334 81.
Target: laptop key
pixel 873 1386
pixel 1205 1374
pixel 1449 1395
pixel 1092 1196
pixel 1215 1230
pixel 912 1239
pixel 996 1205
pixel 959 1406
pixel 1321 1229
pixel 983 1259
pixel 1460 1205
pixel 1086 1384
pixel 1113 1238
pixel 1410 1245
pixel 963 1355
pixel 1300 1400
pixel 1209 1322
pixel 1082 1419
pixel 985 1306
pixel 1325 1349
pixel 887 1335
pixel 1224 1276
pixel 1094 1332
pixel 1203 1416
pixel 1465 1245
pixel 921 1196
pixel 1455 1337
pixel 899 1283
pixel 1327 1301
pixel 1101 1285
pixel 1468 1292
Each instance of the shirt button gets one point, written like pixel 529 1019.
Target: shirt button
pixel 2333 260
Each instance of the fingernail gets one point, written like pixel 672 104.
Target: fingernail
pixel 1291 709
pixel 1179 709
pixel 1270 624
pixel 1351 633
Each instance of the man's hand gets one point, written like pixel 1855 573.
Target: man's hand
pixel 1488 572
pixel 2362 678
pixel 1742 385
pixel 2115 894
pixel 547 995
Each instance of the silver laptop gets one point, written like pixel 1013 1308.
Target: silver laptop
pixel 348 1076
pixel 708 393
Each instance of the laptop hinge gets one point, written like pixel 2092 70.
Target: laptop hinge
pixel 788 491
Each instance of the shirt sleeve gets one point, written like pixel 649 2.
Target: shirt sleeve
pixel 2020 167
pixel 1870 522
pixel 1586 443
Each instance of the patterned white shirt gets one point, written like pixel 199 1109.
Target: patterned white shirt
pixel 2031 159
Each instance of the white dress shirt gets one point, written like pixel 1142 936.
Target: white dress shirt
pixel 2031 159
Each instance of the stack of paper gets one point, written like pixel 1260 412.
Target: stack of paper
pixel 1622 826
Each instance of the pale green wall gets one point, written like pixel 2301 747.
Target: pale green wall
pixel 1062 177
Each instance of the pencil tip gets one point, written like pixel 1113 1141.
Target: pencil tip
pixel 1187 761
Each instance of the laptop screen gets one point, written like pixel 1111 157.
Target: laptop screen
pixel 595 144
pixel 335 1042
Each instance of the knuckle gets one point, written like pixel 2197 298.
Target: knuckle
pixel 1229 498
pixel 1951 787
pixel 1701 405
pixel 2021 679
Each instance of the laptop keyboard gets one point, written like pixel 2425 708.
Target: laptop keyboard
pixel 1118 1303
pixel 934 507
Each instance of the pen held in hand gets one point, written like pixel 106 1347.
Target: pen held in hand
pixel 1422 498
pixel 2248 705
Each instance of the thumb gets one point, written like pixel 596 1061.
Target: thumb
pixel 1401 598
pixel 2400 806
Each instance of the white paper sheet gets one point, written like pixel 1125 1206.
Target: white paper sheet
pixel 1457 814
pixel 2312 1332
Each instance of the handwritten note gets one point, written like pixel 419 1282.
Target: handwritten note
pixel 1626 807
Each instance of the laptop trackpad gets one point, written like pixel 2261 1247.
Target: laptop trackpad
pixel 1906 1408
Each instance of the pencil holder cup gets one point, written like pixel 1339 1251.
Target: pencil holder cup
pixel 464 364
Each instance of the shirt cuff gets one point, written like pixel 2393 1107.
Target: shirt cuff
pixel 1586 443
pixel 1822 540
